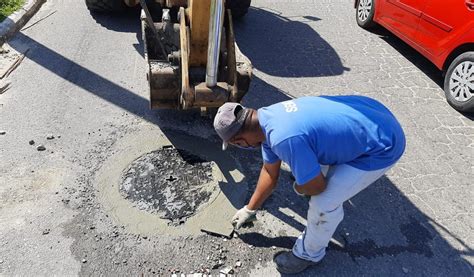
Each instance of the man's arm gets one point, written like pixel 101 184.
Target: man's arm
pixel 313 187
pixel 265 185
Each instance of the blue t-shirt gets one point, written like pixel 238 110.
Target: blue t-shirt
pixel 330 130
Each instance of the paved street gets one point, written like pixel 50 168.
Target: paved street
pixel 83 81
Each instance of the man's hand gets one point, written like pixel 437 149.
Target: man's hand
pixel 266 184
pixel 243 216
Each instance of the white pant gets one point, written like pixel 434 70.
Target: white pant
pixel 325 210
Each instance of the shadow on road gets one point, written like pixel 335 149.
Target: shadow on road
pixel 381 221
pixel 6 23
pixel 420 61
pixel 285 47
pixel 128 22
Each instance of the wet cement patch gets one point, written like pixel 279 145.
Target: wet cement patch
pixel 170 182
pixel 228 186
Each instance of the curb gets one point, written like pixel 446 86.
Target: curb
pixel 18 19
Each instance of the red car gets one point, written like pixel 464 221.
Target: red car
pixel 441 30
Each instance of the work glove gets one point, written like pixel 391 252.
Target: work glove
pixel 243 216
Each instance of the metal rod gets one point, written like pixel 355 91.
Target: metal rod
pixel 153 27
pixel 216 22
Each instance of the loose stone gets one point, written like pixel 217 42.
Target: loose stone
pixel 169 182
pixel 227 270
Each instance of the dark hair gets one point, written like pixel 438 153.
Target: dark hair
pixel 249 125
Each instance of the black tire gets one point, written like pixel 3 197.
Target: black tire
pixel 459 84
pixel 239 8
pixel 365 13
pixel 106 6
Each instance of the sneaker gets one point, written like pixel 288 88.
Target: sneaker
pixel 288 263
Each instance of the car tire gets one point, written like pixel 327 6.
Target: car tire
pixel 106 6
pixel 365 13
pixel 239 8
pixel 459 82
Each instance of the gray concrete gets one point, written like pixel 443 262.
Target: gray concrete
pixel 83 81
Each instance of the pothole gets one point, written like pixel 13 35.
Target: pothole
pixel 132 181
pixel 169 182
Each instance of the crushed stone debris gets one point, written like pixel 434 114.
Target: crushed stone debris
pixel 227 270
pixel 4 50
pixel 40 147
pixel 170 182
pixel 238 264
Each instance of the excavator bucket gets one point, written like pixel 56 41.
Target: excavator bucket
pixel 192 57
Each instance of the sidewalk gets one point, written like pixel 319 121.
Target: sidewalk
pixel 18 19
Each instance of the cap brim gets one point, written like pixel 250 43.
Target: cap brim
pixel 224 145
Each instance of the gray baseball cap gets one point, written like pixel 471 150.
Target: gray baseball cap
pixel 229 119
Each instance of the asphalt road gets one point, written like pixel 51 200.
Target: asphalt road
pixel 84 82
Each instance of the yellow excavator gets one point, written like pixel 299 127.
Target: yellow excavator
pixel 193 60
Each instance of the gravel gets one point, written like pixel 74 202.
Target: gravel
pixel 227 270
pixel 40 147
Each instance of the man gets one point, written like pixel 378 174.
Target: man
pixel 335 146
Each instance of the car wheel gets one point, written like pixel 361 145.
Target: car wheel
pixel 365 13
pixel 106 6
pixel 459 83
